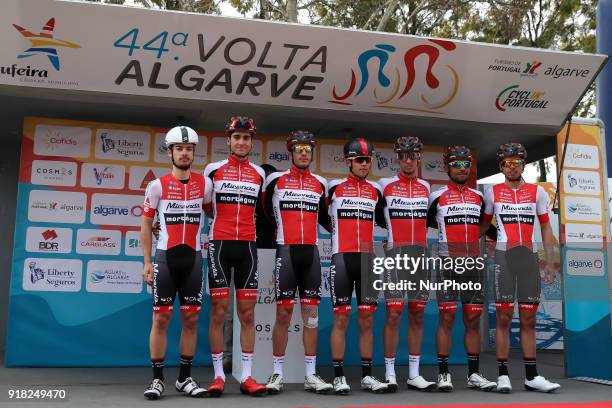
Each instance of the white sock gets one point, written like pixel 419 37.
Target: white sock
pixel 217 359
pixel 389 367
pixel 247 363
pixel 311 364
pixel 278 364
pixel 413 365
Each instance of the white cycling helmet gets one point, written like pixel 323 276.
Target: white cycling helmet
pixel 181 134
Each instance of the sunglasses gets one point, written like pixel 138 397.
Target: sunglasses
pixel 411 156
pixel 460 163
pixel 302 149
pixel 513 163
pixel 361 159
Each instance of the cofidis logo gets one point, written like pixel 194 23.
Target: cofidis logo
pixel 44 43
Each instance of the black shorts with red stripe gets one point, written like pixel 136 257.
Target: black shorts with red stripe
pixel 517 278
pixel 473 279
pixel 241 256
pixel 417 297
pixel 177 270
pixel 298 269
pixel 353 270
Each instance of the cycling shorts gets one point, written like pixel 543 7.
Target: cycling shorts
pixel 298 268
pixel 178 269
pixel 223 255
pixel 350 270
pixel 472 297
pixel 517 277
pixel 417 297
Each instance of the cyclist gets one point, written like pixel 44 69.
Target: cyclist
pixel 296 200
pixel 406 198
pixel 178 199
pixel 515 205
pixel 455 211
pixel 236 192
pixel 355 205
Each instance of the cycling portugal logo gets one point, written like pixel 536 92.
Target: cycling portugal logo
pixel 401 89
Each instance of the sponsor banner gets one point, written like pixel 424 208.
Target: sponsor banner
pixel 325 250
pixel 160 154
pixel 98 242
pixel 432 166
pixel 116 209
pixel 49 239
pixel 133 245
pixel 331 160
pixel 140 177
pixel 385 163
pixel 584 263
pixel 66 141
pixel 220 151
pixel 204 245
pixel 586 232
pixel 582 209
pixel 57 206
pixel 52 275
pixel 582 156
pixel 114 276
pixel 583 234
pixel 54 173
pixel 581 182
pixel 195 56
pixel 98 175
pixel 118 144
pixel 278 156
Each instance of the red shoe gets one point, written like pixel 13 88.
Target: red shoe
pixel 216 387
pixel 249 386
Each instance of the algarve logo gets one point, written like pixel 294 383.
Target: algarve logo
pixel 44 43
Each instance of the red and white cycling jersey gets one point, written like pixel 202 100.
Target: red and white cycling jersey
pixel 354 206
pixel 456 212
pixel 179 207
pixel 515 212
pixel 297 201
pixel 406 210
pixel 236 191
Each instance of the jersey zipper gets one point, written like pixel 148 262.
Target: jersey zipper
pixel 184 212
pixel 358 216
pixel 518 216
pixel 302 209
pixel 239 202
pixel 464 219
pixel 411 211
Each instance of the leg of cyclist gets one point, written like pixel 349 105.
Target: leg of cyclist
pixel 285 284
pixel 447 307
pixel 342 291
pixel 505 289
pixel 245 279
pixel 219 276
pixel 164 292
pixel 308 266
pixel 360 267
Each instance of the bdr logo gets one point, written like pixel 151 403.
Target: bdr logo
pixel 45 239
